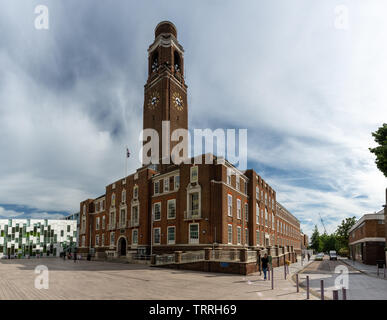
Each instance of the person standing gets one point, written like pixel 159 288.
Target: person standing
pixel 264 263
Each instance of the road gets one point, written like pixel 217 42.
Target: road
pixel 359 285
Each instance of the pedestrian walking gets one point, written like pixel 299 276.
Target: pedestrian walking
pixel 64 255
pixel 264 263
pixel 75 257
pixel 308 256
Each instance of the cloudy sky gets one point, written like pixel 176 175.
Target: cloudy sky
pixel 306 78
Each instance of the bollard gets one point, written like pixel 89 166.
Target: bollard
pixel 384 271
pixel 268 272
pixel 335 294
pixel 322 289
pixel 377 268
pixel 344 292
pixel 307 287
pixel 272 278
pixel 297 284
pixel 285 269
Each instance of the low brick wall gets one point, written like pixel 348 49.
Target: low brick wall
pixel 243 268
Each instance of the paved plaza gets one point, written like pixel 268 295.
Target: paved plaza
pixel 108 280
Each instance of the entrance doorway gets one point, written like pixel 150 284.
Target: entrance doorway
pixel 122 246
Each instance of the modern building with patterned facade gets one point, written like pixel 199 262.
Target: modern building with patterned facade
pixel 36 237
pixel 186 206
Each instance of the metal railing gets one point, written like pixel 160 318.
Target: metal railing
pixel 225 255
pixel 192 256
pixel 192 214
pixel 165 259
pixel 251 256
pixel 133 223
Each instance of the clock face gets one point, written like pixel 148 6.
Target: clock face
pixel 177 101
pixel 153 100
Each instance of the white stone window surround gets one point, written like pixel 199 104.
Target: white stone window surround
pixel 192 189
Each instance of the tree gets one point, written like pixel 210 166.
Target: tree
pixel 342 232
pixel 328 242
pixel 315 239
pixel 381 151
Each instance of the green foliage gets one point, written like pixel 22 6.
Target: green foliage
pixel 342 232
pixel 337 241
pixel 380 151
pixel 315 240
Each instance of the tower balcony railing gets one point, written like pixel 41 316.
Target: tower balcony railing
pixel 192 214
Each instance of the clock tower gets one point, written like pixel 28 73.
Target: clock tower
pixel 165 92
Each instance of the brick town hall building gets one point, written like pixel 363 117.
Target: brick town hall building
pixel 193 206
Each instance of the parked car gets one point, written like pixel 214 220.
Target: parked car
pixel 332 255
pixel 319 257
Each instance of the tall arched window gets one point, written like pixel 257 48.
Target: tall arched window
pixel 176 61
pixel 113 199
pixel 123 196
pixel 155 61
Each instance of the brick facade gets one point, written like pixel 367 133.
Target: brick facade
pixel 367 238
pixel 164 208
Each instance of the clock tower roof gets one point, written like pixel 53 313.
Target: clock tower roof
pixel 165 27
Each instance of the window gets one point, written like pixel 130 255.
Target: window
pixel 237 182
pixel 257 192
pixel 97 223
pixel 83 241
pixel 135 192
pixel 157 187
pixel 103 240
pixel 266 217
pixel 246 211
pixel 123 217
pixel 229 234
pixel 228 176
pixel 166 184
pixel 103 205
pixel 239 235
pixel 229 205
pixel 171 235
pixel 245 190
pixel 123 196
pixel 113 199
pixel 247 236
pixel 194 203
pixel 135 214
pixel 83 226
pixel 177 182
pixel 194 174
pixel 194 233
pixel 258 238
pixel 103 222
pixel 238 208
pixel 157 211
pixel 156 236
pixel 84 209
pixel 97 240
pixel 171 209
pixel 256 213
pixel 134 236
pixel 112 238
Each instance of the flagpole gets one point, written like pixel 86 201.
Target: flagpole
pixel 126 161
